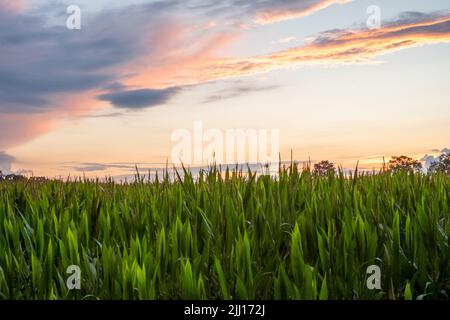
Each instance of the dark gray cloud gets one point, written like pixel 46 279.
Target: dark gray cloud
pixel 237 91
pixel 39 61
pixel 44 66
pixel 139 99
pixel 106 115
pixel 5 162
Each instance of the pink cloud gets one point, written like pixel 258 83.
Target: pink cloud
pixel 173 63
pixel 13 6
pixel 159 59
pixel 19 128
pixel 16 129
pixel 335 47
pixel 292 10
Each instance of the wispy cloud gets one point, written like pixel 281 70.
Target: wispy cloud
pixel 287 39
pixel 237 91
pixel 122 166
pixel 103 115
pixel 262 12
pixel 339 46
pixel 274 11
pixel 92 167
pixel 5 162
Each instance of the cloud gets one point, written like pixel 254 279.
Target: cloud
pixel 12 6
pixel 287 40
pixel 237 91
pixel 139 99
pixel 136 56
pixel 91 167
pixel 428 160
pixel 166 69
pixel 262 12
pixel 339 46
pixel 16 129
pixel 48 72
pixel 5 162
pixel 95 166
pixel 105 115
pixel 119 53
pixel 67 61
pixel 274 11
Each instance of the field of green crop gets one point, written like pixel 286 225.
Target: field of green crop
pixel 228 235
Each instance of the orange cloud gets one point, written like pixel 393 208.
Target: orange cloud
pixel 182 65
pixel 170 63
pixel 344 46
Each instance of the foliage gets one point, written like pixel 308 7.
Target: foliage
pixel 324 168
pixel 442 165
pixel 404 163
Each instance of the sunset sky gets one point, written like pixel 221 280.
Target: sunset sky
pixel 108 96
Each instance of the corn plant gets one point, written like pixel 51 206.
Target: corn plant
pixel 228 235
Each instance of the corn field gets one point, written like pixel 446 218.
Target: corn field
pixel 228 234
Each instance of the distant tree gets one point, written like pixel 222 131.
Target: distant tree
pixel 324 168
pixel 13 177
pixel 404 163
pixel 38 179
pixel 441 165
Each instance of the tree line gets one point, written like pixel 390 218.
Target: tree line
pixel 325 167
pixel 396 164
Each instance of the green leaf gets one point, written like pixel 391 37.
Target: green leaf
pixel 324 290
pixel 408 294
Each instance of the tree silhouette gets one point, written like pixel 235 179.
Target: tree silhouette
pixel 441 165
pixel 404 163
pixel 324 168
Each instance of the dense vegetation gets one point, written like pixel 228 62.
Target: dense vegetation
pixel 228 235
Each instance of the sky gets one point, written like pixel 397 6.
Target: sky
pixel 112 94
